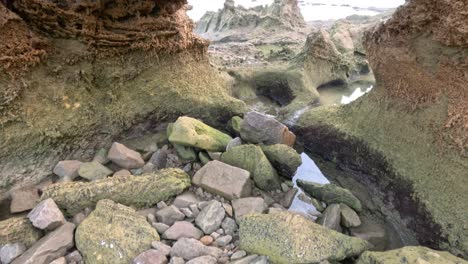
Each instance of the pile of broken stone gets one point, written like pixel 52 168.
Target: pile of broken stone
pixel 209 198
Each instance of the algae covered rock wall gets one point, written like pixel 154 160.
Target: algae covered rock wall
pixel 78 74
pixel 408 136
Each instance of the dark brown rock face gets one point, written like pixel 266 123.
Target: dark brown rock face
pixel 420 57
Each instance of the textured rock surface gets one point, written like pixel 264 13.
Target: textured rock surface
pixel 50 247
pixel 18 229
pixel 182 229
pixel 113 233
pixel 284 158
pixel 409 255
pixel 260 128
pixel 222 179
pixel 245 206
pixel 191 132
pixel 252 159
pixel 93 171
pixel 169 215
pixel 290 238
pixel 144 64
pixel 151 257
pixel 142 191
pixel 67 169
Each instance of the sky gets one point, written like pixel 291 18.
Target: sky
pixel 310 12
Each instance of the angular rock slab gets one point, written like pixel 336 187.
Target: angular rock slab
pixel 67 169
pixel 189 248
pixel 113 233
pixel 125 157
pixel 187 131
pixel 286 237
pixel 252 159
pixel 182 229
pixel 409 254
pixel 330 193
pixel 260 128
pixel 283 158
pixel 23 199
pixel 140 192
pixel 50 247
pixel 46 215
pixel 224 180
pixel 11 251
pixel 247 206
pixel 18 229
pixel 151 256
pixel 211 217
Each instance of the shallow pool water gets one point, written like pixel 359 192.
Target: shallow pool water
pixel 308 171
pixel 344 94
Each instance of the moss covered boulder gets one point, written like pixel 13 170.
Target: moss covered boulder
pixel 129 190
pixel 284 158
pixel 330 193
pixel 420 255
pixel 18 229
pixel 252 159
pixel 286 237
pixel 113 233
pixel 190 132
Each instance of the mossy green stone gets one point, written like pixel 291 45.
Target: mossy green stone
pixel 284 158
pixel 113 234
pixel 185 153
pixel 18 229
pixel 252 159
pixel 204 157
pixel 142 191
pixel 235 124
pixel 330 194
pixel 411 254
pixel 190 132
pixel 286 237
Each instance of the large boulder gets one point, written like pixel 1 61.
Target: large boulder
pixel 330 193
pixel 113 233
pixel 252 159
pixel 187 131
pixel 260 128
pixel 50 247
pixel 18 229
pixel 286 237
pixel 410 254
pixel 284 158
pixel 142 191
pixel 222 179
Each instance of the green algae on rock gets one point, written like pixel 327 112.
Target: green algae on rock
pixel 113 234
pixel 141 191
pixel 235 124
pixel 252 159
pixel 190 132
pixel 18 229
pixel 284 158
pixel 330 193
pixel 410 254
pixel 286 237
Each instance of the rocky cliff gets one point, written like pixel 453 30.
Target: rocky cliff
pixel 409 135
pixel 74 75
pixel 280 15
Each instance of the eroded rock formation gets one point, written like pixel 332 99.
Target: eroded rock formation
pixel 408 137
pixel 281 14
pixel 74 75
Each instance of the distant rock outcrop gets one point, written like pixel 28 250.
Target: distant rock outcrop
pixel 282 14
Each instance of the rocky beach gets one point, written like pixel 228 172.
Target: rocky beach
pixel 131 134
